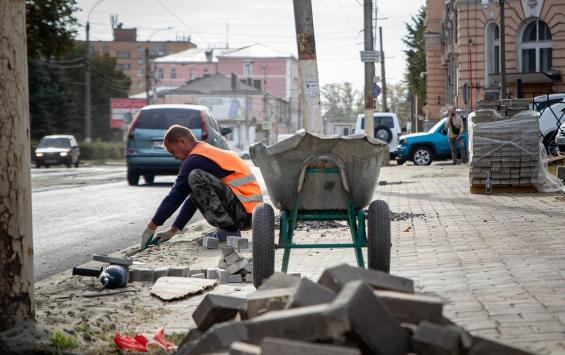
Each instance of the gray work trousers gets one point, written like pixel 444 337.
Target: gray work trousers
pixel 453 143
pixel 217 203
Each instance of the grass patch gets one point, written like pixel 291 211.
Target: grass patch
pixel 62 341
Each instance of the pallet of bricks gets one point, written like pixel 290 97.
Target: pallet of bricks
pixel 504 150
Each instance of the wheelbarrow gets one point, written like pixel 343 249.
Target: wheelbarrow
pixel 313 178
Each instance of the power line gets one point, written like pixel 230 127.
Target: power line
pixel 180 20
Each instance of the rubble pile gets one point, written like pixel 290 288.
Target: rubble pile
pixel 506 151
pixel 348 311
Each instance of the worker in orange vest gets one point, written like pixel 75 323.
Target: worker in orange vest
pixel 214 181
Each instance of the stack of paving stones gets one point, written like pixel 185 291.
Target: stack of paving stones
pixel 487 104
pixel 506 150
pixel 143 274
pixel 348 311
pixel 510 107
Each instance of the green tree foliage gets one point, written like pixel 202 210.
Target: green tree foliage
pixel 341 101
pixel 416 56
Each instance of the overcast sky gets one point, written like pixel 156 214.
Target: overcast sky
pixel 337 26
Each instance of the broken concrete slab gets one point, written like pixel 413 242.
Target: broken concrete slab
pixel 482 346
pixel 336 277
pixel 311 323
pixel 217 338
pixel 216 309
pixel 308 293
pixel 262 301
pixel 236 267
pixel 169 288
pixel 371 321
pixel 410 308
pixel 210 242
pixel 433 339
pixel 279 346
pixel 241 348
pixel 279 280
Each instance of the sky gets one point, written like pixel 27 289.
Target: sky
pixel 338 28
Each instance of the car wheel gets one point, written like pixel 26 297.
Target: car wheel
pixel 245 156
pixel 76 164
pixel 133 178
pixel 149 179
pixel 550 145
pixel 383 133
pixel 422 156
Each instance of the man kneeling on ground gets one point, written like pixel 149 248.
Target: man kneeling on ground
pixel 215 181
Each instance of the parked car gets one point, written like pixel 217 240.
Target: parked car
pixel 539 103
pixel 386 128
pixel 57 149
pixel 145 154
pixel 549 122
pixel 425 147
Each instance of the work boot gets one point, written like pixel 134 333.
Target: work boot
pixel 222 234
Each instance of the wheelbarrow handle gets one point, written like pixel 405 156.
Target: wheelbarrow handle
pixel 327 157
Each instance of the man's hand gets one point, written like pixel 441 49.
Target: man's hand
pixel 146 237
pixel 162 237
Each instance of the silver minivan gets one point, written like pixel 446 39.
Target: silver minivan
pixel 386 128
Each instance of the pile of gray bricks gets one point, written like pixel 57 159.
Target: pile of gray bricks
pixel 349 311
pixel 510 107
pixel 506 150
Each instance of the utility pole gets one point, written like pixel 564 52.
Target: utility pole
pixel 502 52
pixel 147 75
pixel 307 66
pixel 369 67
pixel 383 77
pixel 87 130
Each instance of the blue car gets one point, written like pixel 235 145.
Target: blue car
pixel 425 147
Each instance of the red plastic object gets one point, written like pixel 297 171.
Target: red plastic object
pixel 139 343
pixel 159 337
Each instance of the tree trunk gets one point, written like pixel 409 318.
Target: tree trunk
pixel 16 241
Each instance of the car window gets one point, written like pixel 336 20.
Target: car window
pixel 386 121
pixel 213 122
pixel 166 117
pixel 54 143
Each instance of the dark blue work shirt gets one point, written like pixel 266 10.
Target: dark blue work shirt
pixel 180 192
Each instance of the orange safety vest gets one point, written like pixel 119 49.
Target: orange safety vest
pixel 242 182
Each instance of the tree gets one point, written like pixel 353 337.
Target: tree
pixel 16 240
pixel 416 56
pixel 341 101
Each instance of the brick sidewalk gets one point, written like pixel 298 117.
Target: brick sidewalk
pixel 498 260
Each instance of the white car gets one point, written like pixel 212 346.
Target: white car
pixel 386 128
pixel 539 103
pixel 550 120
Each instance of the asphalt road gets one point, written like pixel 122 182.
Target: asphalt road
pixel 85 211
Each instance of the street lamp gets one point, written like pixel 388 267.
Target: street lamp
pixel 500 3
pixel 87 120
pixel 147 67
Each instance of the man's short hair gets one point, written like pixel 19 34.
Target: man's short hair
pixel 176 132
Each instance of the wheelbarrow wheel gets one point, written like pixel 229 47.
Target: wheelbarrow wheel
pixel 378 236
pixel 263 234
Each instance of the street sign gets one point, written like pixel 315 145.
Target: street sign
pixel 376 90
pixel 370 56
pixel 265 125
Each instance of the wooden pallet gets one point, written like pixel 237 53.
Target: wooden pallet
pixel 504 189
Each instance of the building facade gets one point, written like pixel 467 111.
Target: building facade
pixel 274 73
pixel 463 51
pixel 130 54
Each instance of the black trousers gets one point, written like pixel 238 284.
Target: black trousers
pixel 217 203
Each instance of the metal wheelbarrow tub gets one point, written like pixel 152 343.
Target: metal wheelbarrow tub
pixel 282 165
pixel 312 178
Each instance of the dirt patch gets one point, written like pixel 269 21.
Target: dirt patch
pixel 403 216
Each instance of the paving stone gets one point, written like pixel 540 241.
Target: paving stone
pixel 482 346
pixel 241 348
pixel 160 272
pixel 249 267
pixel 236 267
pixel 235 279
pixel 179 271
pixel 433 339
pixel 371 321
pixel 211 273
pixel 226 250
pixel 146 275
pixel 336 277
pixel 249 277
pixel 216 309
pixel 199 276
pixel 233 258
pixel 309 293
pixel 223 276
pixel 279 346
pixel 262 301
pixel 279 280
pixel 410 308
pixel 192 335
pixel 216 339
pixel 210 242
pixel 311 323
pixel 222 264
pixel 237 242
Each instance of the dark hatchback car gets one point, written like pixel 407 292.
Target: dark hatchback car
pixel 145 154
pixel 57 149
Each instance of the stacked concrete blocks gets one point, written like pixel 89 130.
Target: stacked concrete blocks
pixel 349 311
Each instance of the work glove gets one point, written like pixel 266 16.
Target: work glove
pixel 146 238
pixel 162 237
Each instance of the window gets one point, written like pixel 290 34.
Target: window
pixel 190 76
pixel 493 48
pixel 122 55
pixel 535 48
pixel 173 73
pixel 160 73
pixel 123 66
pixel 247 69
pixel 140 61
pixel 140 72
